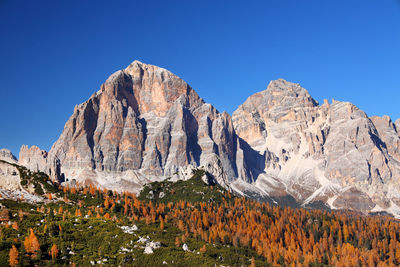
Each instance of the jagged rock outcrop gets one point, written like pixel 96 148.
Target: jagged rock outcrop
pixel 145 124
pixel 389 135
pixel 9 175
pixel 33 158
pixel 10 180
pixel 18 183
pixel 397 126
pixel 37 160
pixel 6 155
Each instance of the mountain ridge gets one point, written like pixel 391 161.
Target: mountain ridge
pixel 146 124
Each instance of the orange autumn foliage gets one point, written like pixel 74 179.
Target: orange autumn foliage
pixel 54 252
pixel 15 226
pixel 13 256
pixel 162 226
pixel 203 249
pixel 31 244
pixel 280 236
pixel 177 242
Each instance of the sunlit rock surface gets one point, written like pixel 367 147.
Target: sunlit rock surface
pixel 147 124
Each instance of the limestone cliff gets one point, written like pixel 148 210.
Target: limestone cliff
pixel 6 155
pixel 144 123
pixel 332 152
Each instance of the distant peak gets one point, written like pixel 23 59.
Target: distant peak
pixel 279 93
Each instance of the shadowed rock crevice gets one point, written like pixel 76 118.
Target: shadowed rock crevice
pixel 193 149
pixel 90 124
pixel 254 161
pixel 143 128
pixel 378 142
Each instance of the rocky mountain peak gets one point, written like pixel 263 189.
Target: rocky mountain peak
pixel 144 123
pixel 282 101
pixel 136 63
pixel 290 93
pixel 148 88
pixel 280 96
pixel 157 89
pixel 281 85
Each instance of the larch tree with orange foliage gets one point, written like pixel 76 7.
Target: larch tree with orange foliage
pixel 106 203
pixel 177 242
pixel 54 252
pixel 78 213
pixel 15 225
pixel 13 256
pixel 253 262
pixel 92 190
pixel 20 215
pixel 31 244
pixel 162 226
pixel 203 249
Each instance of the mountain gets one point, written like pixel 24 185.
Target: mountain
pixel 332 152
pixel 146 124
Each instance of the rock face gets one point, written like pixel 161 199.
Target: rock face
pixel 146 124
pixel 9 177
pixel 6 155
pixel 33 158
pixel 332 153
pixel 10 180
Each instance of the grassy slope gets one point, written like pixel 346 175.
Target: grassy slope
pixel 82 240
pixel 192 190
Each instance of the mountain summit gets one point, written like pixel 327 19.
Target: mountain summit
pixel 147 124
pixel 144 124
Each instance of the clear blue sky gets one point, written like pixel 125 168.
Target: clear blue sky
pixel 55 54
